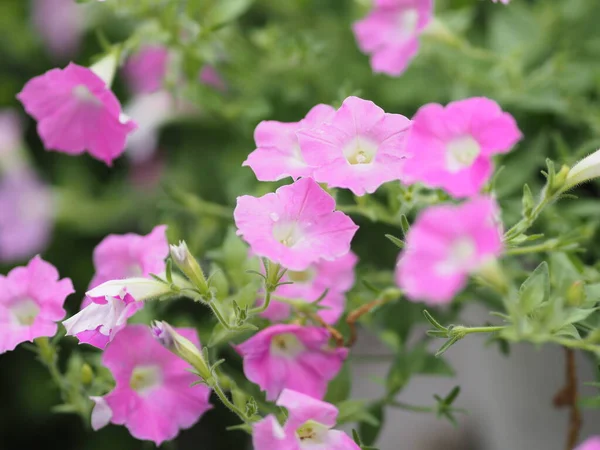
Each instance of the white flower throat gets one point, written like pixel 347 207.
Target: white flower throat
pixel 461 153
pixel 24 312
pixel 360 151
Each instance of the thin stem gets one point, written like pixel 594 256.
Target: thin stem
pixel 567 397
pixel 274 273
pixel 470 330
pixel 526 222
pixel 223 397
pixel 543 247
pixel 215 309
pixel 262 308
pixel 413 408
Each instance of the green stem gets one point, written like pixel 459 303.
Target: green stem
pixel 225 400
pixel 526 222
pixel 413 408
pixel 215 309
pixel 579 345
pixel 470 330
pixel 272 279
pixel 539 248
pixel 47 355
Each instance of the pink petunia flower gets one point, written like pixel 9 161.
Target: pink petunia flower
pixel 117 257
pixel 592 443
pixel 60 24
pixel 360 149
pixel 390 33
pixel 309 426
pixel 26 217
pixel 444 245
pixel 76 112
pixel 295 226
pixel 153 396
pixel 336 276
pixel 452 147
pixel 291 357
pixel 278 154
pixel 145 70
pixel 31 302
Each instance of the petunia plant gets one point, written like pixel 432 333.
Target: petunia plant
pixel 256 308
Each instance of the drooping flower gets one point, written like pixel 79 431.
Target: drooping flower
pixel 592 443
pixel 145 70
pixel 295 226
pixel 26 217
pixel 336 277
pixel 278 154
pixel 119 287
pixel 130 255
pixel 291 357
pixel 76 111
pixel 360 148
pixel 444 245
pixel 390 33
pixel 153 396
pixel 585 170
pixel 60 25
pixel 31 302
pixel 309 426
pixel 99 322
pixel 452 147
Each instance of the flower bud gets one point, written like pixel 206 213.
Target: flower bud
pixel 189 266
pixel 586 169
pixel 182 347
pixel 106 67
pixel 139 288
pixel 87 374
pixel 575 294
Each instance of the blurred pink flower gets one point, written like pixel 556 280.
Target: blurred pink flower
pixel 295 226
pixel 278 154
pixel 26 217
pixel 444 245
pixel 11 132
pixel 360 148
pixel 153 396
pixel 592 443
pixel 60 24
pixel 31 302
pixel 145 70
pixel 76 112
pixel 291 357
pixel 308 427
pixel 502 1
pixel 99 322
pixel 452 147
pixel 390 33
pixel 210 77
pixel 337 277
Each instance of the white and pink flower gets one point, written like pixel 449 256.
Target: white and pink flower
pixel 31 303
pixel 444 245
pixel 291 357
pixel 360 148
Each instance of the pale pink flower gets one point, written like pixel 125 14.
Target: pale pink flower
pixel 452 147
pixel 295 226
pixel 26 215
pixel 31 302
pixel 117 257
pixel 60 25
pixel 76 112
pixel 336 276
pixel 210 77
pixel 11 133
pixel 360 148
pixel 153 396
pixel 278 154
pixel 291 357
pixel 444 245
pixel 592 443
pixel 502 1
pixel 145 70
pixel 309 426
pixel 390 33
pixel 130 255
pixel 99 322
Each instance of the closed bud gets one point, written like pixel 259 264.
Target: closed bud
pixel 576 294
pixel 586 169
pixel 87 374
pixel 182 347
pixel 184 260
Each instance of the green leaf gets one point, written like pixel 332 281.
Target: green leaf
pixel 355 411
pixel 535 290
pixel 226 11
pixel 396 241
pixel 562 271
pixel 369 432
pixel 339 388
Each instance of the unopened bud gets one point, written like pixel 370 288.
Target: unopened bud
pixel 87 374
pixel 586 169
pixel 576 294
pixel 139 288
pixel 181 346
pixel 184 260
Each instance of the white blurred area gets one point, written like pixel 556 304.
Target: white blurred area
pixel 509 399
